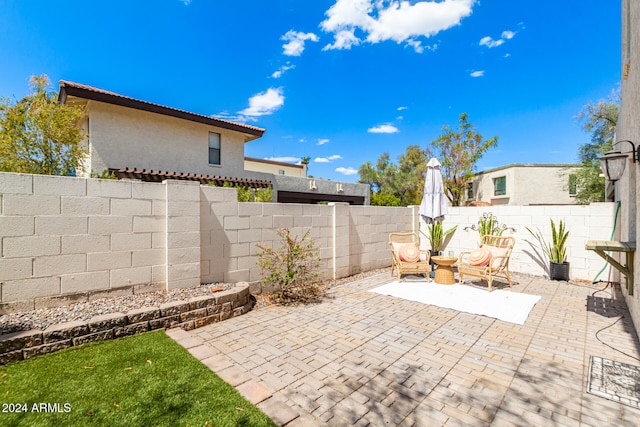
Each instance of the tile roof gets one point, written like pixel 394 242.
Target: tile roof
pixel 88 92
pixel 148 175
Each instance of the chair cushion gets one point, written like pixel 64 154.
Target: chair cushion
pixel 498 263
pixel 480 257
pixel 409 252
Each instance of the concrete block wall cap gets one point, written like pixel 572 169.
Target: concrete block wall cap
pixel 20 334
pixel 201 302
pixel 103 317
pixel 143 314
pixel 66 325
pixel 19 340
pixel 173 308
pixel 226 296
pixel 106 321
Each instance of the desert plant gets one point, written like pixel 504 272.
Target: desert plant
pixel 292 268
pixel 437 236
pixel 556 250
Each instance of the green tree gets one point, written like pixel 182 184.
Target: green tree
pixel 600 121
pixel 458 152
pixel 390 182
pixel 305 161
pixel 39 135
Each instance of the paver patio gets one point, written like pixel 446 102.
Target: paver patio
pixel 364 359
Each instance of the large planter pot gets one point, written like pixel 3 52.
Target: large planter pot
pixel 559 271
pixel 433 264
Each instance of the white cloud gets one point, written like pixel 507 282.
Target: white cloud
pixel 477 73
pixel 295 42
pixel 386 128
pixel 327 159
pixel 416 45
pixel 402 108
pixel 322 141
pixel 343 39
pixel 264 103
pixel 489 42
pixel 398 20
pixel 186 2
pixel 285 159
pixel 278 73
pixel 346 171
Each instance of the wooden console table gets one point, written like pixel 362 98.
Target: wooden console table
pixel 600 246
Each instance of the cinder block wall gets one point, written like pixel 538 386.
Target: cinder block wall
pixel 66 239
pixel 350 239
pixel 62 235
pixel 584 222
pixel 369 228
pixel 232 231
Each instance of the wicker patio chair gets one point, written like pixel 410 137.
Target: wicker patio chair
pixel 497 266
pixel 396 242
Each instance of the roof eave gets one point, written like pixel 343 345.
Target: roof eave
pixel 66 91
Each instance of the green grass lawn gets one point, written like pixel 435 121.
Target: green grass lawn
pixel 144 380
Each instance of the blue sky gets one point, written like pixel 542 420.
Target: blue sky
pixel 339 81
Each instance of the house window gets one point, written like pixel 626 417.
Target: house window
pixel 573 185
pixel 214 148
pixel 500 186
pixel 470 190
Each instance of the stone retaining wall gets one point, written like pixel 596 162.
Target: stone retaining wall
pixel 191 314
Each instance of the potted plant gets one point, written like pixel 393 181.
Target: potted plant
pixel 488 224
pixel 556 250
pixel 438 238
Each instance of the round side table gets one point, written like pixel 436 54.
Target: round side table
pixel 444 272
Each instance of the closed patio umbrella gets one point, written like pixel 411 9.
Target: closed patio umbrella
pixel 434 205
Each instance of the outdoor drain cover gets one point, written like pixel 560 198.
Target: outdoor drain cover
pixel 615 381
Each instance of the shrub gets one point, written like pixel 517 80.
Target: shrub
pixel 384 199
pixel 292 268
pixel 105 174
pixel 263 195
pixel 247 194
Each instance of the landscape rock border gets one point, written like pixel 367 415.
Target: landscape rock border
pixel 193 313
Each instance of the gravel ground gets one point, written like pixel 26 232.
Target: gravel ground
pixel 45 317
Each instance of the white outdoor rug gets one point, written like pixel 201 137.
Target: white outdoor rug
pixel 504 305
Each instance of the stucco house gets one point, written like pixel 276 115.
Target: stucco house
pixel 135 139
pixel 627 190
pixel 523 184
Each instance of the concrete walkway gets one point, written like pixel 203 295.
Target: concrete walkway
pixel 365 359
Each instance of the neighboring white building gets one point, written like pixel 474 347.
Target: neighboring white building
pixel 276 168
pixel 523 184
pixel 140 140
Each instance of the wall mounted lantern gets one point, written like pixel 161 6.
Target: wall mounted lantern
pixel 613 162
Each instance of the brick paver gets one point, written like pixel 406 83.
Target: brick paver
pixel 364 359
